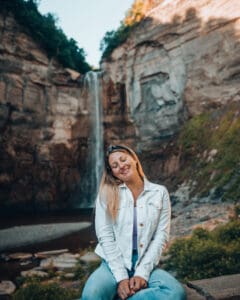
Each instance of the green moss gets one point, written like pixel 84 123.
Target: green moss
pixel 213 130
pixel 207 254
pixel 194 134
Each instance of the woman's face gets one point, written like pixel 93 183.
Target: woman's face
pixel 123 166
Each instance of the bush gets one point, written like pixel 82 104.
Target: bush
pixel 36 291
pixel 207 254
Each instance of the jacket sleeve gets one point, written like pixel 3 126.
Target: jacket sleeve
pixel 106 239
pixel 153 252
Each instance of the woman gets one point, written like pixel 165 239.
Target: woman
pixel 132 225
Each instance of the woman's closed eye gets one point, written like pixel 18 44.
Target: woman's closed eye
pixel 123 159
pixel 114 166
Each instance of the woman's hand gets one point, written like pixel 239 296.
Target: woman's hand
pixel 124 289
pixel 137 283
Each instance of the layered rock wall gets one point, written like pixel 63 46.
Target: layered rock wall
pixel 181 60
pixel 45 126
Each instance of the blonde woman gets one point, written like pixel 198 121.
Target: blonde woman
pixel 132 226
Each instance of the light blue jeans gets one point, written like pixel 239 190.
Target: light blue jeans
pixel 101 285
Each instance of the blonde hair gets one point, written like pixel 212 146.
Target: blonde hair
pixel 109 186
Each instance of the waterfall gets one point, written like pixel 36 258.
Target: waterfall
pixel 93 78
pixel 91 164
pixel 94 159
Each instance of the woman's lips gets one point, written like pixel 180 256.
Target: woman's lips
pixel 124 172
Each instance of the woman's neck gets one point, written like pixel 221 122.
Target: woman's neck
pixel 136 187
pixel 136 183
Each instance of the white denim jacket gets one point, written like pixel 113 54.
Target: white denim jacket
pixel 115 238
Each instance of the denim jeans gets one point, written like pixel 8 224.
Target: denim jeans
pixel 101 285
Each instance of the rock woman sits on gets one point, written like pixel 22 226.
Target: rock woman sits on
pixel 132 225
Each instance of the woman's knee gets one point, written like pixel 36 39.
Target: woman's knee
pixel 96 293
pixel 100 285
pixel 179 293
pixel 91 293
pixel 167 284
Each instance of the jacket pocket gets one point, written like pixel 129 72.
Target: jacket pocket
pixel 154 211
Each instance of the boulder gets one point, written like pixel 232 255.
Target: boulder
pixel 7 287
pixel 218 288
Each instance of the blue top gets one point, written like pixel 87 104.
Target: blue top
pixel 135 228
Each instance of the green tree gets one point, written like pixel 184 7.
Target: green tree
pixel 43 30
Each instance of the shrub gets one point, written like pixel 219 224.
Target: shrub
pixel 207 254
pixel 35 291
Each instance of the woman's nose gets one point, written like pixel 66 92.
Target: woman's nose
pixel 121 165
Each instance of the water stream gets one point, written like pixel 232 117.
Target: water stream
pixel 92 81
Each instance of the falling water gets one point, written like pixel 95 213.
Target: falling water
pixel 95 160
pixel 98 134
pixel 92 161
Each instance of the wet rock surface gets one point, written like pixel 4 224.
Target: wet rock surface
pixel 29 234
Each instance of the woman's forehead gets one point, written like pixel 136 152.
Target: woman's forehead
pixel 117 154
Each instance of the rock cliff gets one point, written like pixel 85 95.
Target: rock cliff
pixel 180 61
pixel 46 125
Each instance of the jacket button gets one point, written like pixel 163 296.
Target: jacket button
pixel 141 224
pixel 141 245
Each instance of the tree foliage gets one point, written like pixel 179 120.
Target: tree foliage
pixel 43 29
pixel 113 39
pixel 134 15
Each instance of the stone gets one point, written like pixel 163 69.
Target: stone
pixel 20 256
pixel 64 262
pixel 45 254
pixel 34 273
pixel 7 287
pixel 90 257
pixel 69 275
pixel 221 288
pixel 192 294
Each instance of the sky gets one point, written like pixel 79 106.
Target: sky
pixel 87 21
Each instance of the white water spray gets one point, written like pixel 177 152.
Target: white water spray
pixel 97 130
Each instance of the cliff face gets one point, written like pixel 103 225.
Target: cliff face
pixel 179 62
pixel 45 125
